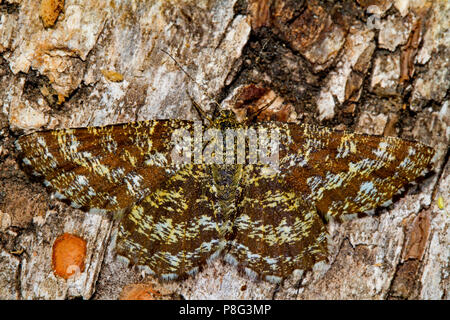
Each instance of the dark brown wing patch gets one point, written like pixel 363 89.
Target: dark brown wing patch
pixel 174 230
pixel 346 173
pixel 102 168
pixel 276 231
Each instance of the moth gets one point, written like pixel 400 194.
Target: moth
pixel 269 219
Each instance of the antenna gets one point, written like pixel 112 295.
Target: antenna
pixel 192 79
pixel 258 112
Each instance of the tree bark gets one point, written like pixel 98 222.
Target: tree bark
pixel 377 67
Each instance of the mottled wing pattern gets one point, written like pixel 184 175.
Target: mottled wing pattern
pixel 344 173
pixel 321 173
pixel 102 168
pixel 271 219
pixel 173 230
pixel 276 231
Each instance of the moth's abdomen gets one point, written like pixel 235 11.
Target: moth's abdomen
pixel 225 187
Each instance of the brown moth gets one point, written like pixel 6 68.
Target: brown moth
pixel 268 219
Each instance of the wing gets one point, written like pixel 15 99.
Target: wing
pixel 276 232
pixel 345 173
pixel 318 173
pixel 174 230
pixel 102 168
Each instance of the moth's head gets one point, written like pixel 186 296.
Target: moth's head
pixel 226 119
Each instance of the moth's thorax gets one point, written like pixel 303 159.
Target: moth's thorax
pixel 226 120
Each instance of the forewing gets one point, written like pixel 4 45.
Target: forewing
pixel 103 168
pixel 345 173
pixel 174 230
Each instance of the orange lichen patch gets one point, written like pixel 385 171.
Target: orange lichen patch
pixel 69 253
pixel 112 75
pixel 61 98
pixel 139 292
pixel 50 10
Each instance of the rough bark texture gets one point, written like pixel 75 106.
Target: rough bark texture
pixel 379 67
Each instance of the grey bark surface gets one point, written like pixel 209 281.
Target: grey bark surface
pixel 381 68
